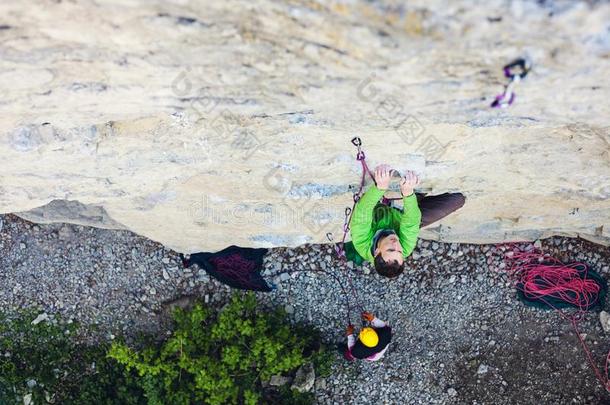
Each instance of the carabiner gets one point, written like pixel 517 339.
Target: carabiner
pixel 356 141
pixel 521 63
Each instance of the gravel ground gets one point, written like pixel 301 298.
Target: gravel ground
pixel 115 281
pixel 460 334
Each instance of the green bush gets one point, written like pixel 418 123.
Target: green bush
pixel 223 357
pixel 44 361
pixel 212 357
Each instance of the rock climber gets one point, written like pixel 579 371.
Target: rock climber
pixel 385 235
pixel 372 340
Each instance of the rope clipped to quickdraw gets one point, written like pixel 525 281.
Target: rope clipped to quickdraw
pixel 349 211
pixel 340 247
pixel 508 96
pixel 546 282
pixel 360 157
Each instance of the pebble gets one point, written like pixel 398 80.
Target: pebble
pixel 452 392
pixel 40 318
pixel 165 274
pixel 483 369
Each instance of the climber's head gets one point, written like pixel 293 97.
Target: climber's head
pixel 388 256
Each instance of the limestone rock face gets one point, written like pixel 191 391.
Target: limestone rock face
pixel 205 124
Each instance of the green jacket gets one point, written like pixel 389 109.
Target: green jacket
pixel 364 224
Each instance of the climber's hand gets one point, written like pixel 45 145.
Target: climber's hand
pixel 349 330
pixel 383 175
pixel 408 183
pixel 367 316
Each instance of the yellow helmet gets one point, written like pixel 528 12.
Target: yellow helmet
pixel 368 337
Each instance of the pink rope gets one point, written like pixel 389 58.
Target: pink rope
pixel 361 157
pixel 539 280
pixel 349 212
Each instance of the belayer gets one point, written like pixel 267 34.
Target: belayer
pixel 372 341
pixel 385 235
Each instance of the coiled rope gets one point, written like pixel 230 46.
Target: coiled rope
pixel 544 278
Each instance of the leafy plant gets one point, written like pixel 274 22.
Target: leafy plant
pixel 213 357
pixel 224 357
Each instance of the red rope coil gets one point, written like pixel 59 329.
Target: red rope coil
pixel 541 276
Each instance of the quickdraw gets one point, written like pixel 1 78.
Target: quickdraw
pixel 508 96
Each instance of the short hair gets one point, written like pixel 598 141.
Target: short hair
pixel 388 269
